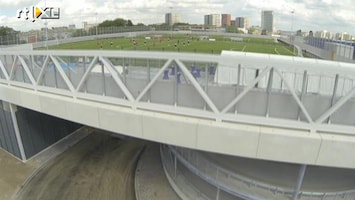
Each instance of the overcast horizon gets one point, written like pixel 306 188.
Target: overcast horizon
pixel 315 15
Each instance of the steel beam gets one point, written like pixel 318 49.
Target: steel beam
pixel 295 97
pixel 197 86
pixel 301 174
pixel 103 80
pixel 238 85
pixel 148 79
pixel 206 83
pixel 62 74
pixel 12 73
pixel 336 106
pixel 246 90
pixel 303 92
pixel 86 74
pixel 155 78
pixel 335 89
pixel 43 69
pixel 2 68
pixel 117 79
pixel 27 70
pixel 268 91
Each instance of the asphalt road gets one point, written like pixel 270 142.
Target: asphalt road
pixel 13 173
pixel 151 182
pixel 98 167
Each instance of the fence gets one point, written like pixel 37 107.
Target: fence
pixel 234 184
pixel 310 94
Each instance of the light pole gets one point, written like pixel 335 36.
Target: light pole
pixel 171 21
pixel 96 23
pixel 291 36
pixel 46 26
pixel 46 39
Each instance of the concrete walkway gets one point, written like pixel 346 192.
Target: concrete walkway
pixel 150 180
pixel 98 167
pixel 14 172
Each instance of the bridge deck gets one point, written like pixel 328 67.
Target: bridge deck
pixel 252 105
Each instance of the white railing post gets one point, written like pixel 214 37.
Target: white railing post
pixel 301 174
pixel 241 61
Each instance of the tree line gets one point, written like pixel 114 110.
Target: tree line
pixel 116 22
pixel 8 35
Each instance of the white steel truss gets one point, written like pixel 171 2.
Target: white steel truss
pixel 270 67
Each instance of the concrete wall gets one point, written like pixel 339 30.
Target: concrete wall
pixel 38 130
pixel 7 132
pixel 253 141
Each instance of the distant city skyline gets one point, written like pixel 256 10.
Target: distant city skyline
pixel 307 15
pixel 268 21
pixel 213 20
pixel 172 18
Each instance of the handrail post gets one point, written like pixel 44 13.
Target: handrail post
pixel 301 174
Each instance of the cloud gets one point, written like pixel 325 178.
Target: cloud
pixel 333 15
pixel 17 3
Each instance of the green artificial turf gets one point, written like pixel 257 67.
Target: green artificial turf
pixel 182 43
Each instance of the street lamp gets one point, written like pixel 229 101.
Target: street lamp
pixel 291 36
pixel 96 23
pixel 171 21
pixel 46 27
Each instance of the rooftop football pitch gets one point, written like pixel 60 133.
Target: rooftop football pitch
pixel 183 43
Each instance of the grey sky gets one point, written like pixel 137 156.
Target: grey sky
pixel 331 15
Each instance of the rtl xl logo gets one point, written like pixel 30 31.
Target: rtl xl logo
pixel 34 12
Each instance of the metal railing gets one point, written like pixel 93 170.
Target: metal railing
pixel 235 184
pixel 184 186
pixel 269 90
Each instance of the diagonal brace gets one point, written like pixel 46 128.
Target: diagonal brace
pixel 27 70
pixel 294 95
pixel 2 67
pixel 197 86
pixel 41 73
pixel 151 83
pixel 336 106
pixel 86 74
pixel 62 74
pixel 247 89
pixel 12 72
pixel 117 79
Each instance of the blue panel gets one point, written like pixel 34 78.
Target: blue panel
pixel 64 66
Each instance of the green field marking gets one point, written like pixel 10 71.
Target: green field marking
pixel 245 46
pixel 180 43
pixel 288 50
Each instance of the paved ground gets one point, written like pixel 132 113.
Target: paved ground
pixel 98 167
pixel 150 180
pixel 12 174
